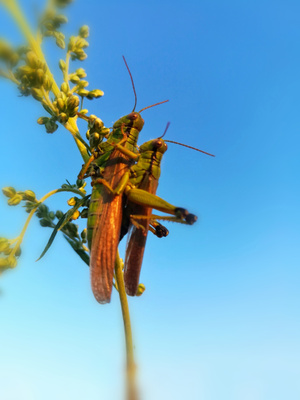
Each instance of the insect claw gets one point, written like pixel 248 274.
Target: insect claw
pixel 190 219
pixel 161 231
pixel 181 212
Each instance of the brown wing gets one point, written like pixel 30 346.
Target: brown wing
pixel 107 232
pixel 137 240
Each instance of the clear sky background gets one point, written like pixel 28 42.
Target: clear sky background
pixel 220 316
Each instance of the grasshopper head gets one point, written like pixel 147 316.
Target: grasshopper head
pixel 132 120
pixel 155 145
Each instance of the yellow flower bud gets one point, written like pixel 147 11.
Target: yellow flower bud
pixel 71 201
pixel 141 289
pixel 64 87
pixel 29 195
pixel 75 215
pixel 15 200
pixel 9 191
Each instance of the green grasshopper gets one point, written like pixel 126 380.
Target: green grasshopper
pixel 111 171
pixel 106 204
pixel 144 176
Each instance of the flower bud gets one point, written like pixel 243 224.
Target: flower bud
pixel 18 252
pixel 75 215
pixel 62 65
pixel 60 104
pixel 3 263
pixel 95 94
pixel 74 78
pixel 15 200
pixel 72 228
pixel 47 83
pixel 37 94
pixel 8 191
pixel 32 59
pixel 140 290
pixel 39 76
pixel 73 102
pixel 83 234
pixel 83 92
pixel 98 124
pixel 14 59
pixel 72 43
pixel 63 118
pixel 84 213
pixel 64 88
pixel 42 120
pixel 84 31
pixel 61 19
pixel 72 201
pixel 51 126
pixel 59 214
pixel 83 84
pixel 4 245
pixel 80 55
pixel 12 261
pixel 80 72
pixel 43 209
pixel 29 195
pixel 60 42
pixel 45 222
pixel 24 70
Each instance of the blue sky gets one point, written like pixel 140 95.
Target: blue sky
pixel 220 316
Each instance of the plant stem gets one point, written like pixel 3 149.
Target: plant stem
pixel 16 13
pixel 14 9
pixel 130 367
pixel 20 238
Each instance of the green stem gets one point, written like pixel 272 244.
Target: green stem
pixel 20 238
pixel 131 368
pixel 14 9
pixel 71 126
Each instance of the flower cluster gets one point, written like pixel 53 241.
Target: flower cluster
pixel 58 221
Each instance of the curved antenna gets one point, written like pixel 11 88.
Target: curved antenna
pixel 153 105
pixel 190 147
pixel 167 127
pixel 133 87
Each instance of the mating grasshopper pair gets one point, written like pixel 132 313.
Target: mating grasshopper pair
pixel 124 181
pixel 123 197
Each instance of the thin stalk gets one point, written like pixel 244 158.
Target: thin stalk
pixel 130 367
pixel 14 9
pixel 39 202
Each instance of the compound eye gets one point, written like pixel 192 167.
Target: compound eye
pixel 133 116
pixel 157 144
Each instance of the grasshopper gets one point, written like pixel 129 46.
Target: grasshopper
pixel 144 176
pixel 106 204
pixel 111 171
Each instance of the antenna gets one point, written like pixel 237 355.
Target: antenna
pixel 167 127
pixel 133 87
pixel 190 147
pixel 153 105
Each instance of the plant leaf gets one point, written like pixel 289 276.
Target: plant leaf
pixel 52 237
pixel 82 254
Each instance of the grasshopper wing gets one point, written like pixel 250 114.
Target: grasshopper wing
pixel 107 232
pixel 137 238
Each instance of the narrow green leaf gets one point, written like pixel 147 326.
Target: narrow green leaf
pixel 52 237
pixel 82 254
